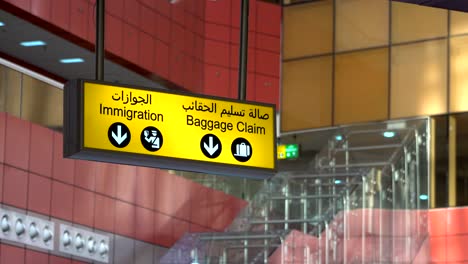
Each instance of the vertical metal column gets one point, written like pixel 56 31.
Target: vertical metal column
pixel 417 142
pixel 307 254
pixel 194 255
pixel 319 183
pixel 381 206
pixel 394 206
pixel 347 201
pixel 319 202
pixel 286 206
pixel 334 200
pixel 452 161
pixel 224 256
pixel 266 206
pixel 406 191
pixel 244 41
pixel 320 243
pixel 345 227
pixel 100 6
pixel 363 218
pixel 284 250
pixel 304 206
pixel 346 150
pixel 246 251
pixel 327 240
pixel 266 209
pixel 432 157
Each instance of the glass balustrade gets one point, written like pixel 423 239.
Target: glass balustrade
pixel 362 199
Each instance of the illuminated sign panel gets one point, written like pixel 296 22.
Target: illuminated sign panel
pixel 168 130
pixel 289 151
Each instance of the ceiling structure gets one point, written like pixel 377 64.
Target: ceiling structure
pixel 47 57
pixel 459 5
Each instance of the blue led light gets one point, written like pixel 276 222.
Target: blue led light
pixel 71 60
pixel 423 197
pixel 389 134
pixel 339 137
pixel 337 181
pixel 33 43
pixel 2 24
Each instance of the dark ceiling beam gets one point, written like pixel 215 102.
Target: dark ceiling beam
pixel 458 5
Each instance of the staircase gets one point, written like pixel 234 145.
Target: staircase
pixel 362 200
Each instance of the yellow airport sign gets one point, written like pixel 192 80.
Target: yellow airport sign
pixel 164 129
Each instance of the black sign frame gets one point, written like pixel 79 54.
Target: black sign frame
pixel 73 138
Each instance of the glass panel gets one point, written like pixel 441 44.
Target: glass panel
pixel 363 199
pixel 10 91
pixel 361 86
pixel 361 24
pixel 458 71
pixel 458 23
pixel 307 90
pixel 412 22
pixel 42 103
pixel 451 157
pixel 240 187
pixel 462 159
pixel 308 29
pixel 419 79
pixel 441 125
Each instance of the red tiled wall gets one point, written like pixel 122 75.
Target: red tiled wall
pixel 448 231
pixel 449 235
pixel 114 198
pixel 194 44
pixel 143 203
pixel 222 33
pixel 447 241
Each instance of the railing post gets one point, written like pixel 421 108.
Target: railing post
pixel 246 251
pixel 286 206
pixel 304 206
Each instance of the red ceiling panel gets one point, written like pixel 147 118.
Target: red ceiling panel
pixel 41 8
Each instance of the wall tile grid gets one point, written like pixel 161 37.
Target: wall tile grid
pixel 159 218
pixel 347 29
pixel 448 235
pixel 138 203
pixel 444 247
pixel 122 249
pixel 195 46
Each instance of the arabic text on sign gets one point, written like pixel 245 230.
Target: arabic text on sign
pixel 212 108
pixel 129 98
pixel 198 106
